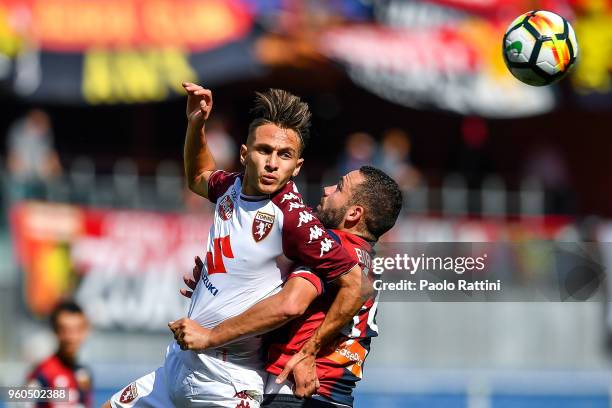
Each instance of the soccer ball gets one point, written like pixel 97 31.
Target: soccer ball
pixel 540 48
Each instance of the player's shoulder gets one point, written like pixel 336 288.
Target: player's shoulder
pixel 342 237
pixel 288 199
pixel 50 362
pixel 296 215
pixel 220 181
pixel 47 367
pixel 350 240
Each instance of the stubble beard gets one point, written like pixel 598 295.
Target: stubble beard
pixel 331 217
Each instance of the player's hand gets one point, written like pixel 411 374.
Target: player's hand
pixel 304 369
pixel 192 281
pixel 199 103
pixel 189 334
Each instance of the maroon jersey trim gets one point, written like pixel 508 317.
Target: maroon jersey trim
pixel 219 182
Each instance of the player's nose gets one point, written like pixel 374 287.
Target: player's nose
pixel 327 190
pixel 272 162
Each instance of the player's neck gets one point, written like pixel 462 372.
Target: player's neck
pixel 250 191
pixel 355 230
pixel 249 187
pixel 65 358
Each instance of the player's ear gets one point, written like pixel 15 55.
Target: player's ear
pixel 243 153
pixel 354 214
pixel 298 166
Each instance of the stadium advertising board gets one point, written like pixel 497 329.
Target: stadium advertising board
pixel 593 75
pixel 124 267
pixel 120 51
pixel 440 54
pixel 434 56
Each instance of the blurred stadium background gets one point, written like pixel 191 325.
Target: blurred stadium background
pixel 94 204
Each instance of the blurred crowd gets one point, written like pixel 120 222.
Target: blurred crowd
pixel 469 186
pixel 32 160
pixel 391 154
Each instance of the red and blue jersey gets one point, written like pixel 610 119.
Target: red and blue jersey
pixel 55 373
pixel 339 366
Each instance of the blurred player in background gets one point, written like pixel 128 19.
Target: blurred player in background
pixel 62 368
pixel 33 161
pixel 261 228
pixel 360 208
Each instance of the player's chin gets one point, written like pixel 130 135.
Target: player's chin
pixel 70 350
pixel 269 188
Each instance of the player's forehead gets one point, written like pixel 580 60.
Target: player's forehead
pixel 275 136
pixel 352 179
pixel 67 318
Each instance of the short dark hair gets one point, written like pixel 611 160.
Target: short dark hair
pixel 69 306
pixel 381 197
pixel 283 109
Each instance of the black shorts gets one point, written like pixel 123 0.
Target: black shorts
pixel 291 401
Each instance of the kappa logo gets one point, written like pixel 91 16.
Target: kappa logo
pixel 293 206
pixel 315 233
pixel 243 395
pixel 129 394
pixel 226 208
pixel 305 218
pixel 326 245
pixel 246 396
pixel 289 196
pixel 262 225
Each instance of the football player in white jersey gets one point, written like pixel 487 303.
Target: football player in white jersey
pixel 261 229
pixel 363 206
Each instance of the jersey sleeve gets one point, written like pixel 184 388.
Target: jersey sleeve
pixel 218 183
pixel 306 241
pixel 36 379
pixel 306 273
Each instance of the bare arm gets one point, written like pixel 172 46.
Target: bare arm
pixel 269 314
pixel 199 162
pixel 353 291
pixel 273 312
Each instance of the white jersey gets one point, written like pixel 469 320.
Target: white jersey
pixel 252 246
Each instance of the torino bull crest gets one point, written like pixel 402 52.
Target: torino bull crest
pixel 262 225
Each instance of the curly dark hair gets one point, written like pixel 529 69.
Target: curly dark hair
pixel 382 199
